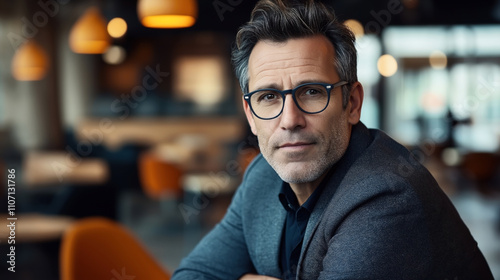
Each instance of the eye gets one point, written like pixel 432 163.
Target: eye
pixel 268 96
pixel 312 91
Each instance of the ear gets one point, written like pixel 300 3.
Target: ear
pixel 355 103
pixel 249 115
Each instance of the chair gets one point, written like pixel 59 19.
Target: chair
pixel 159 179
pixel 99 248
pixel 246 156
pixel 162 181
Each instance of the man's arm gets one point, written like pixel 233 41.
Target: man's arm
pixel 383 237
pixel 391 236
pixel 223 253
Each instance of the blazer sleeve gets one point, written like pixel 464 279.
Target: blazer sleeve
pixel 222 253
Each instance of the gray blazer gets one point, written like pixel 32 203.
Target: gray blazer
pixel 381 216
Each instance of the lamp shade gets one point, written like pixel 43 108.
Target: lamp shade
pixel 30 63
pixel 89 34
pixel 167 13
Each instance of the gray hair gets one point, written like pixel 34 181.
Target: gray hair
pixel 280 20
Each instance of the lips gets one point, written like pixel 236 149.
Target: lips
pixel 295 145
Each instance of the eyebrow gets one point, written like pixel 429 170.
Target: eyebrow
pixel 276 86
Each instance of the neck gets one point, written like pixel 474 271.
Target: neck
pixel 304 190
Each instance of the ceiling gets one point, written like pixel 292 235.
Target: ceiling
pixel 226 16
pixel 220 15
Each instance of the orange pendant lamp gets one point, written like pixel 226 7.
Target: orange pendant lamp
pixel 167 13
pixel 89 35
pixel 30 63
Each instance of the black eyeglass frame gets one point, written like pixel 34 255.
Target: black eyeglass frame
pixel 283 93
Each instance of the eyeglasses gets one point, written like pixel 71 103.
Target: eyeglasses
pixel 310 98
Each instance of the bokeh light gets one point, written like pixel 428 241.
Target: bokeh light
pixel 114 55
pixel 387 65
pixel 117 27
pixel 355 26
pixel 438 60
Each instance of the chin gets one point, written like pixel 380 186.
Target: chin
pixel 299 172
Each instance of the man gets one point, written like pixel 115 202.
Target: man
pixel 328 198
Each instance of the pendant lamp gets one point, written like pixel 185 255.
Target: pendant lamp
pixel 89 35
pixel 167 13
pixel 30 63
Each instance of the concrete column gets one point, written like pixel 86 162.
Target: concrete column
pixel 33 106
pixel 78 75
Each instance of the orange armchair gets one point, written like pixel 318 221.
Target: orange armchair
pixel 98 248
pixel 159 178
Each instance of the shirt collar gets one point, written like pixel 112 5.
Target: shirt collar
pixel 289 200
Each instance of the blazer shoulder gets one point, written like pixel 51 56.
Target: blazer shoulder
pixel 387 166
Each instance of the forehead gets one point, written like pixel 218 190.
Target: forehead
pixel 302 58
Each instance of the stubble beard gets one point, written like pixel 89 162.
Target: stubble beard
pixel 299 172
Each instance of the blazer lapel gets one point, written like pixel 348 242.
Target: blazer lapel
pixel 317 212
pixel 268 224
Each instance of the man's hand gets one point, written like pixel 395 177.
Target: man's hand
pixel 257 277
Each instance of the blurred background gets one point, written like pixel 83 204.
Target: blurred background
pixel 103 116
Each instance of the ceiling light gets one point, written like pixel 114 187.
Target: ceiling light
pixel 30 63
pixel 89 34
pixel 167 13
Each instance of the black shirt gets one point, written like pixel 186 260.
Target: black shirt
pixel 295 227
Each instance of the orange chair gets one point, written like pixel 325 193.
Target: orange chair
pixel 246 156
pixel 159 179
pixel 98 248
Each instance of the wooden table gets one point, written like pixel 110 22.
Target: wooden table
pixel 45 168
pixel 113 133
pixel 33 227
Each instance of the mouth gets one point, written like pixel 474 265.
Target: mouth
pixel 295 145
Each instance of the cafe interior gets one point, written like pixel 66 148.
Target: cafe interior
pixel 123 137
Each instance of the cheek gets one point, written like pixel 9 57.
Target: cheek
pixel 338 129
pixel 264 127
pixel 266 131
pixel 259 129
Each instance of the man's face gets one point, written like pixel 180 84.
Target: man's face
pixel 300 147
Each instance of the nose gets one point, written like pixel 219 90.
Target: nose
pixel 292 117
